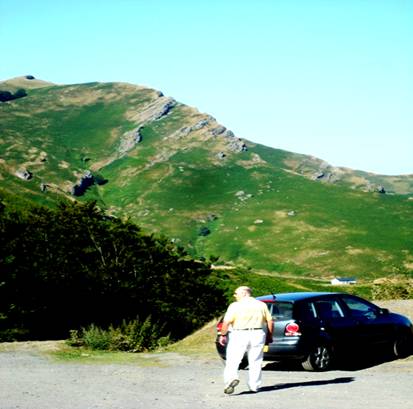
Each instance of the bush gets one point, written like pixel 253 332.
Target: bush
pixel 8 96
pixel 109 270
pixel 130 336
pixel 393 291
pixel 11 334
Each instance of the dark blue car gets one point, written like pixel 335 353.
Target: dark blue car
pixel 317 328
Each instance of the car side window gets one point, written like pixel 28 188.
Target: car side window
pixel 307 311
pixel 281 310
pixel 360 309
pixel 328 309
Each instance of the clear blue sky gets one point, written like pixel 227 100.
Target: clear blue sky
pixel 329 78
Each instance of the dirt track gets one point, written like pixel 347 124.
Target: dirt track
pixel 29 380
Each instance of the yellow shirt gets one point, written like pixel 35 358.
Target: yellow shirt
pixel 247 313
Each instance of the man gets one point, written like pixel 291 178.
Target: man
pixel 251 328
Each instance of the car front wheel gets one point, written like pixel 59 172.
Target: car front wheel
pixel 319 359
pixel 402 346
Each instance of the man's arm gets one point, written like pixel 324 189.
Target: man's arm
pixel 224 331
pixel 224 328
pixel 270 327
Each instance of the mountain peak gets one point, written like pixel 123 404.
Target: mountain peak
pixel 26 82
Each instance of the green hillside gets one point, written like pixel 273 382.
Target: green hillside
pixel 176 171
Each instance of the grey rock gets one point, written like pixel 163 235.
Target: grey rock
pixel 238 145
pixel 199 125
pixel 165 109
pixel 218 130
pixel 24 174
pixel 138 135
pixel 318 175
pixel 185 130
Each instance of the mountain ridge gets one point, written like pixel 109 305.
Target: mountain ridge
pixel 179 172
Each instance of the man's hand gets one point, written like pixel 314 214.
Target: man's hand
pixel 223 340
pixel 268 338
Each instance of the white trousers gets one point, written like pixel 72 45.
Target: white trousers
pixel 239 342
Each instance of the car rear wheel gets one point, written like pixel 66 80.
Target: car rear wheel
pixel 319 359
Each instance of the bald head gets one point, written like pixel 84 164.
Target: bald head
pixel 242 292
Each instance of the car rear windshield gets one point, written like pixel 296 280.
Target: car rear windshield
pixel 281 310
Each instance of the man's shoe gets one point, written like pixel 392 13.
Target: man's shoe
pixel 230 388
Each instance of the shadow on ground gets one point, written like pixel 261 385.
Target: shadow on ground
pixel 347 363
pixel 290 385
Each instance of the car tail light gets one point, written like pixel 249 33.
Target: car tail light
pixel 292 330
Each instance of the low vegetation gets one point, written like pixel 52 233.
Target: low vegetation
pixel 132 336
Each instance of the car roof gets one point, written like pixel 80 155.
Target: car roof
pixel 293 297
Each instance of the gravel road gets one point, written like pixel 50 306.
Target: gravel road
pixel 29 379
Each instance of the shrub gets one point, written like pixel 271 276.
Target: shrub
pixel 96 338
pixel 393 291
pixel 130 336
pixel 8 96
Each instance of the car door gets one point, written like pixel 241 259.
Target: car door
pixel 372 327
pixel 335 323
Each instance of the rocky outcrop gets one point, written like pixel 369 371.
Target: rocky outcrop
pixel 138 135
pixel 237 145
pixel 164 109
pixel 86 181
pixel 325 176
pixel 153 111
pixel 24 174
pixel 229 134
pixel 219 130
pixel 199 125
pixel 130 139
pixel 156 110
pixel 319 176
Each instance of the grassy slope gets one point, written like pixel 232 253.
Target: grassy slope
pixel 175 185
